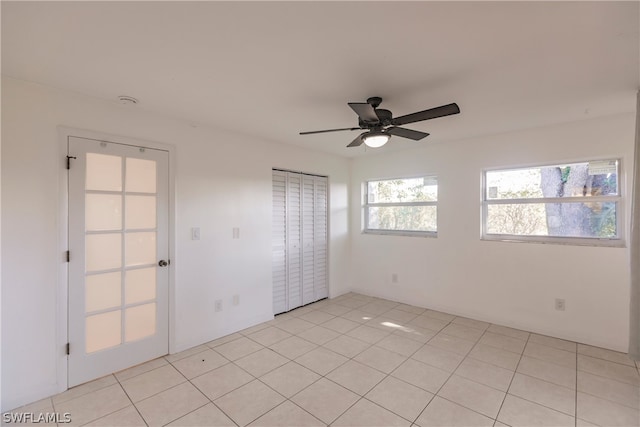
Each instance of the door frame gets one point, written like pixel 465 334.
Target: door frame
pixel 62 290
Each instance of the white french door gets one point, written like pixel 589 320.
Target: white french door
pixel 299 242
pixel 118 257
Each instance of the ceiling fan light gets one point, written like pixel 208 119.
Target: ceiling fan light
pixel 376 140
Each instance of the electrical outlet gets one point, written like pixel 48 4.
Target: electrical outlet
pixel 236 299
pixel 236 232
pixel 394 278
pixel 218 305
pixel 195 233
pixel 560 306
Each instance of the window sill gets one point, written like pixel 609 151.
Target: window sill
pixel 431 234
pixel 570 241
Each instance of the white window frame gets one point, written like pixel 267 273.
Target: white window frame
pixel 366 205
pixel 618 241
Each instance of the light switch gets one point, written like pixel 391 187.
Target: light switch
pixel 195 233
pixel 236 232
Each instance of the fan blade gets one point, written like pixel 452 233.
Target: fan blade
pixel 327 130
pixel 407 133
pixel 358 141
pixel 432 113
pixel 365 111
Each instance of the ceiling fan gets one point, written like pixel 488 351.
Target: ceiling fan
pixel 381 124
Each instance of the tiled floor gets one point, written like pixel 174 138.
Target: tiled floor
pixel 363 361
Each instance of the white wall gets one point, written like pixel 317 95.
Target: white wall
pixel 512 284
pixel 223 180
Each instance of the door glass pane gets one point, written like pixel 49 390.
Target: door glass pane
pixel 103 251
pixel 140 322
pixel 104 172
pixel 103 331
pixel 103 212
pixel 140 248
pixel 140 285
pixel 141 212
pixel 141 176
pixel 103 291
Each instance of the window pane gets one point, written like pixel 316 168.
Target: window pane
pixel 103 291
pixel 140 285
pixel 103 212
pixel 140 322
pixel 103 251
pixel 424 189
pixel 403 218
pixel 141 176
pixel 140 248
pixel 140 212
pixel 104 172
pixel 589 219
pixel 597 178
pixel 103 331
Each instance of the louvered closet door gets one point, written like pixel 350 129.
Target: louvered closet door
pixel 279 242
pixel 320 238
pixel 308 258
pixel 294 240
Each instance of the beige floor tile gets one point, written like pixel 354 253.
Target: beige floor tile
pixel 261 362
pixel 249 402
pixel 472 395
pixel 608 389
pixel 410 309
pixel 548 371
pixel 152 382
pixel 169 405
pixel 421 375
pixel 503 342
pixel 186 353
pixel 238 348
pixel 428 322
pixel 318 335
pixel 553 342
pixel 357 316
pixel 347 346
pixel 351 302
pixel 603 353
pixel 495 356
pixel 415 333
pixel 368 334
pixel 127 417
pixel 96 404
pixel 464 332
pixel 207 416
pixel 485 373
pixel 140 369
pixel 300 311
pixel 367 414
pixel 356 377
pixel 438 357
pixel 85 388
pixel 471 323
pixel 325 400
pixel 335 309
pixel 385 323
pixel 439 315
pixel 442 412
pixel 221 381
pixel 517 412
pixel 199 363
pixel 223 340
pixel 380 359
pixel 293 347
pixel 289 379
pixel 321 360
pixel 255 328
pixel 583 423
pixel 375 308
pixel 453 344
pixel 544 393
pixel 295 325
pixel 42 405
pixel 605 413
pixel 604 368
pixel 269 336
pixel 340 325
pixel 317 317
pixel 400 315
pixel 399 344
pixel 400 397
pixel 551 354
pixel 287 414
pixel 510 332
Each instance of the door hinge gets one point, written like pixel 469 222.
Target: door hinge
pixel 69 161
pixel 68 349
pixel 68 256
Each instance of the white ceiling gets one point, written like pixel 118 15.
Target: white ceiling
pixel 273 69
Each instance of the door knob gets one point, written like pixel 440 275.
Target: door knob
pixel 163 263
